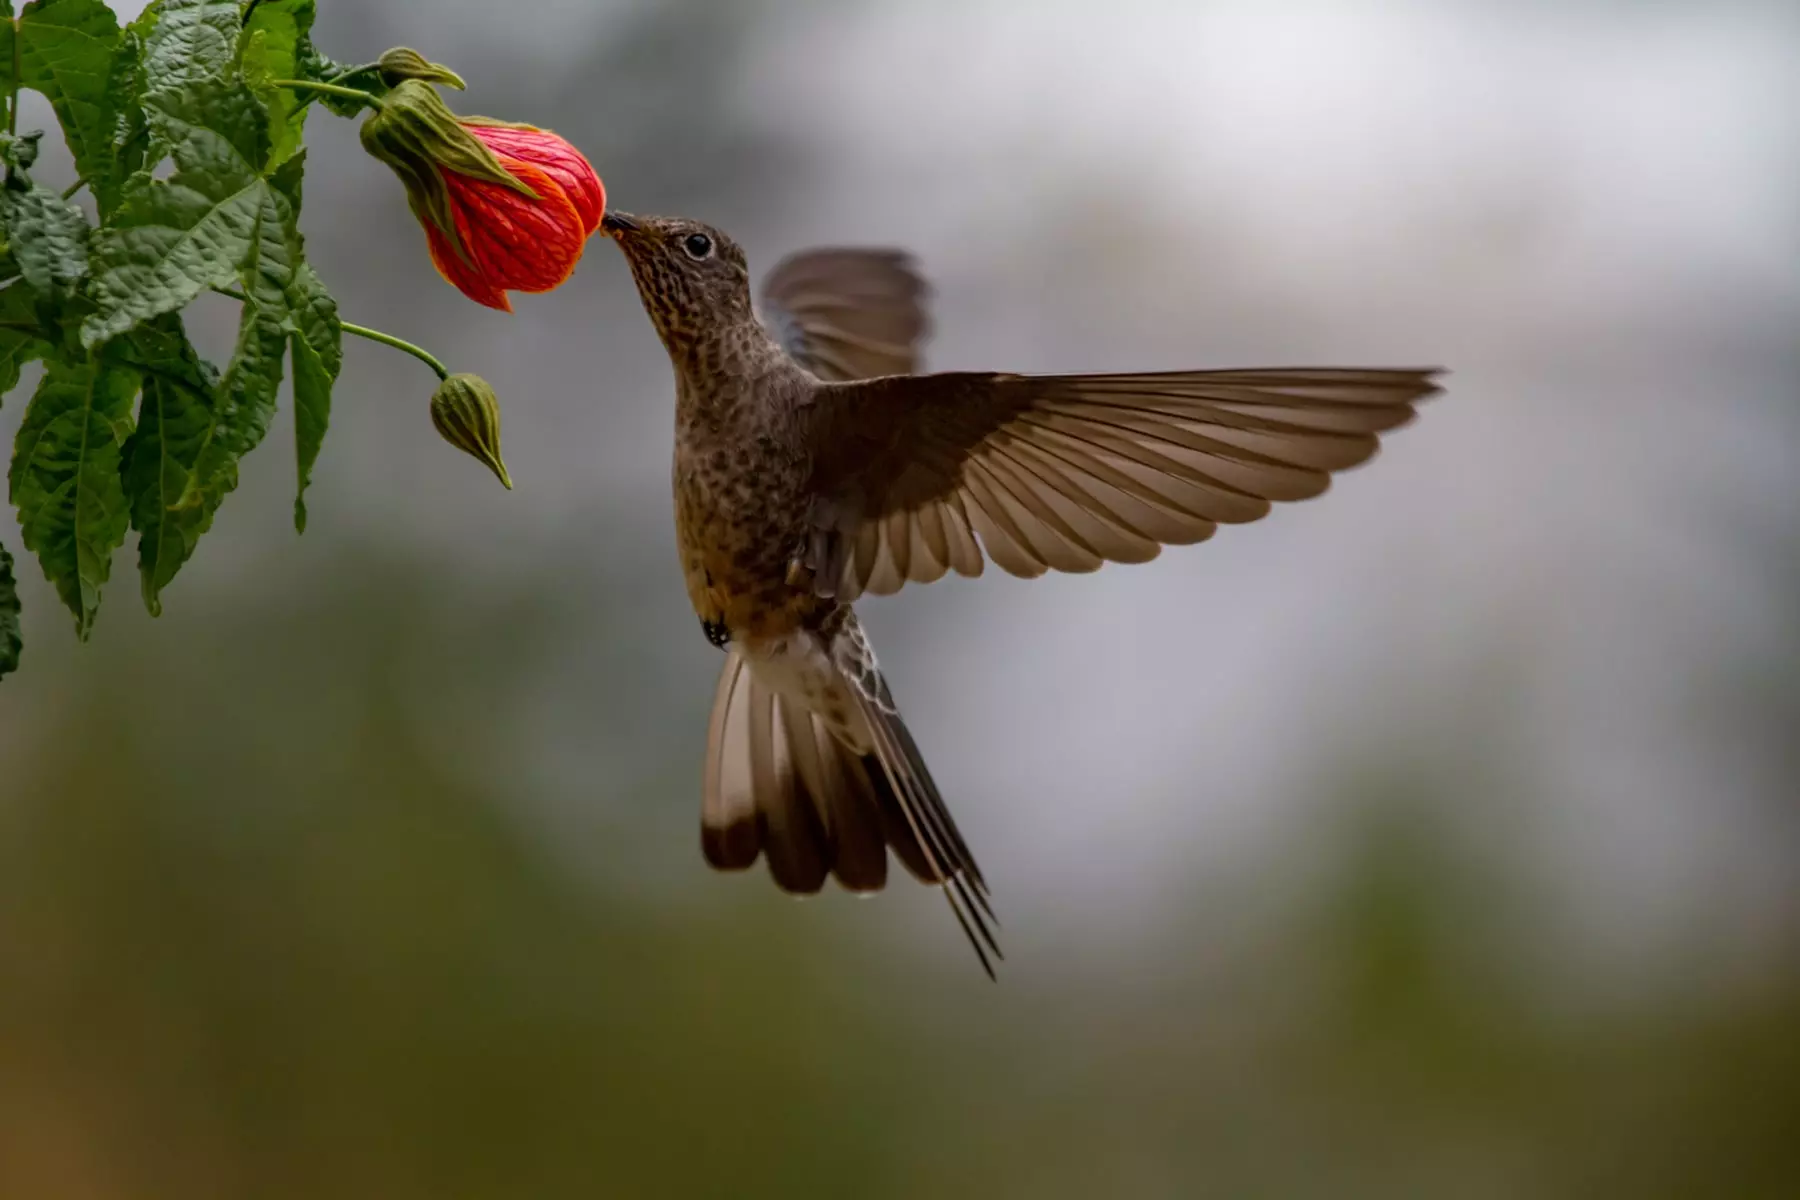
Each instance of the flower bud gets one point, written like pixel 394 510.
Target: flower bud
pixel 466 413
pixel 504 206
pixel 403 62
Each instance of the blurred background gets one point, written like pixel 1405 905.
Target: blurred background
pixel 1437 838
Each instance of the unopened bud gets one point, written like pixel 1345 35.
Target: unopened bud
pixel 403 62
pixel 467 413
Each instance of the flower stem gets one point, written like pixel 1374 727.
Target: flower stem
pixel 330 89
pixel 388 339
pixel 338 80
pixel 364 69
pixel 373 335
pixel 79 183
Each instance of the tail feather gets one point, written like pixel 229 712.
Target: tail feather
pixel 945 835
pixel 932 831
pixel 730 834
pixel 794 837
pixel 842 795
pixel 781 785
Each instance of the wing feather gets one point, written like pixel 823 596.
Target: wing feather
pixel 848 313
pixel 917 476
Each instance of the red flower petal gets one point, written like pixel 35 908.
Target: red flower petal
pixel 461 274
pixel 516 242
pixel 561 160
pixel 512 241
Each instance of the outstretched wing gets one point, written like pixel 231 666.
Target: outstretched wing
pixel 1064 472
pixel 848 313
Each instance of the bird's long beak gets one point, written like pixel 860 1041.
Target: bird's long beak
pixel 612 224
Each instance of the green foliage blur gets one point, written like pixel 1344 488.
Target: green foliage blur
pixel 289 936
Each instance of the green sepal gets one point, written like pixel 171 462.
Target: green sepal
pixel 417 135
pixel 403 62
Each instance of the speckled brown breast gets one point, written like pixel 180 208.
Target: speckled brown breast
pixel 740 517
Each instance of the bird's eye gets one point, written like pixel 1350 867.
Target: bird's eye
pixel 698 246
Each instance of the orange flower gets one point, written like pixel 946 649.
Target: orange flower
pixel 505 207
pixel 565 164
pixel 513 242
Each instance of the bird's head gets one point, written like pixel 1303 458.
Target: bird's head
pixel 691 277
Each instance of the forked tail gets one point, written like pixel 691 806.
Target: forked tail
pixel 782 785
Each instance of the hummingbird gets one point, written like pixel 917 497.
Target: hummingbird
pixel 813 463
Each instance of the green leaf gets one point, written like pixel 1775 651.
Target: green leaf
pixel 314 65
pixel 189 42
pixel 274 43
pixel 168 243
pixel 49 238
pixel 66 482
pixel 174 418
pixel 230 211
pixel 287 180
pixel 285 301
pixel 242 408
pixel 20 341
pixel 131 132
pixel 317 354
pixel 171 241
pixel 246 399
pixel 147 19
pixel 66 50
pixel 10 641
pixel 19 151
